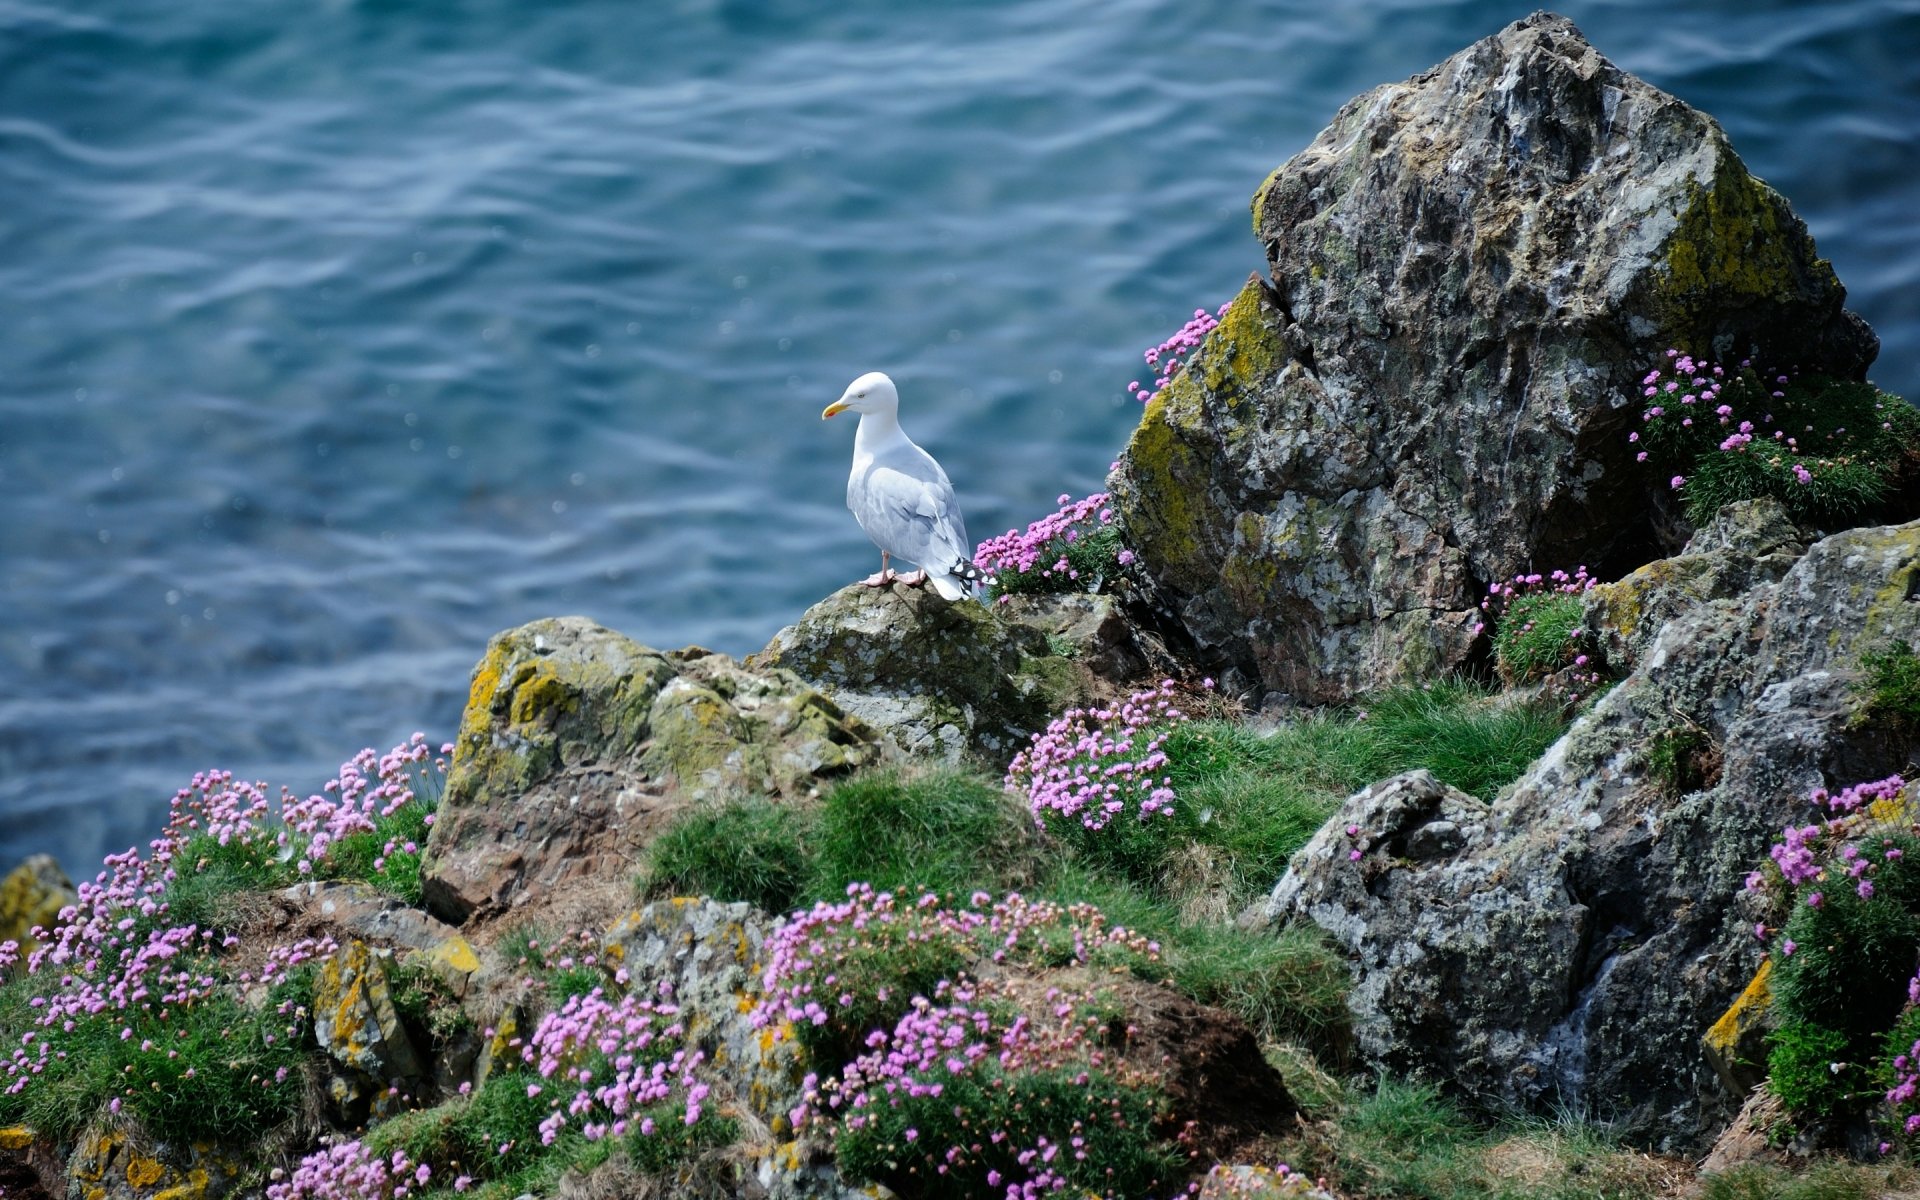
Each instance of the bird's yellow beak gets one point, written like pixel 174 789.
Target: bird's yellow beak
pixel 838 406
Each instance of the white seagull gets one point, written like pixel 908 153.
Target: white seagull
pixel 901 497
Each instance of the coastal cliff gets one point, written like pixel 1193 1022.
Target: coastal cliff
pixel 1434 726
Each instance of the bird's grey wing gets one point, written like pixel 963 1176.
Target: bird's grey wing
pixel 908 508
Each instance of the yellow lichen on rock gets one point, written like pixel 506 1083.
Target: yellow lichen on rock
pixel 1732 1043
pixel 31 895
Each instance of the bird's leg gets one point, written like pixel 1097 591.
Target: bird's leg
pixel 915 579
pixel 883 577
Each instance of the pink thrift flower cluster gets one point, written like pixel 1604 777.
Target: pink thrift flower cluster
pixel 1169 357
pixel 1092 765
pixel 1694 411
pixel 1038 559
pixel 975 1036
pixel 1847 848
pixel 953 1049
pixel 1512 606
pixel 348 1169
pixel 118 957
pixel 618 1057
pixel 603 1066
pixel 1502 594
pixel 847 957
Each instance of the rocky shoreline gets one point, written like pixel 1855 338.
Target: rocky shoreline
pixel 654 922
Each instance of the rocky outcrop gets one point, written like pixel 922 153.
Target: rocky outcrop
pixel 31 896
pixel 1469 273
pixel 946 680
pixel 1751 542
pixel 1570 944
pixel 579 743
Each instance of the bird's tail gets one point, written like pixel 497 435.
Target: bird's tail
pixel 959 580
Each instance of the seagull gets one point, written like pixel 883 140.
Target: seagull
pixel 901 497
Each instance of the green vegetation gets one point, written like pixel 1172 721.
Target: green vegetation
pixel 1824 1181
pixel 745 849
pixel 1406 1142
pixel 1537 636
pixel 941 829
pixel 1889 686
pixel 1832 451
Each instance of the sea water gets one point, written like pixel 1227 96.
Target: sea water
pixel 341 334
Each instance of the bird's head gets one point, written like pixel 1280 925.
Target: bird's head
pixel 871 393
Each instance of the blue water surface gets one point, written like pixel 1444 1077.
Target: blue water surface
pixel 341 334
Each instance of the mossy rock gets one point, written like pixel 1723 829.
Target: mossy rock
pixel 579 744
pixel 31 895
pixel 946 680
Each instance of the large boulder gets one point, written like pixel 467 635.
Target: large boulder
pixel 579 744
pixel 949 680
pixel 1567 946
pixel 1469 273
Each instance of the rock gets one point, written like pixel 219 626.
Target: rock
pixel 1469 273
pixel 1753 1136
pixel 1736 1044
pixel 355 1022
pixel 108 1164
pixel 578 744
pixel 1592 925
pixel 30 1166
pixel 710 956
pixel 1747 543
pixel 347 911
pixel 33 894
pixel 1244 1182
pixel 942 680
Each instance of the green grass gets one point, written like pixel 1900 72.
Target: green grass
pixel 1889 686
pixel 1254 799
pixel 1461 733
pixel 747 849
pixel 942 828
pixel 939 829
pixel 1290 987
pixel 1823 1181
pixel 1405 1141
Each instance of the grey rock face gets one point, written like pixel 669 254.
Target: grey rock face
pixel 944 680
pixel 1469 273
pixel 1747 543
pixel 1584 930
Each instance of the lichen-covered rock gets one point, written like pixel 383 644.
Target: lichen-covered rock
pixel 355 1022
pixel 108 1164
pixel 941 679
pixel 579 743
pixel 1753 541
pixel 32 895
pixel 710 956
pixel 1590 925
pixel 30 1166
pixel 1470 272
pixel 1736 1044
pixel 1244 1182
